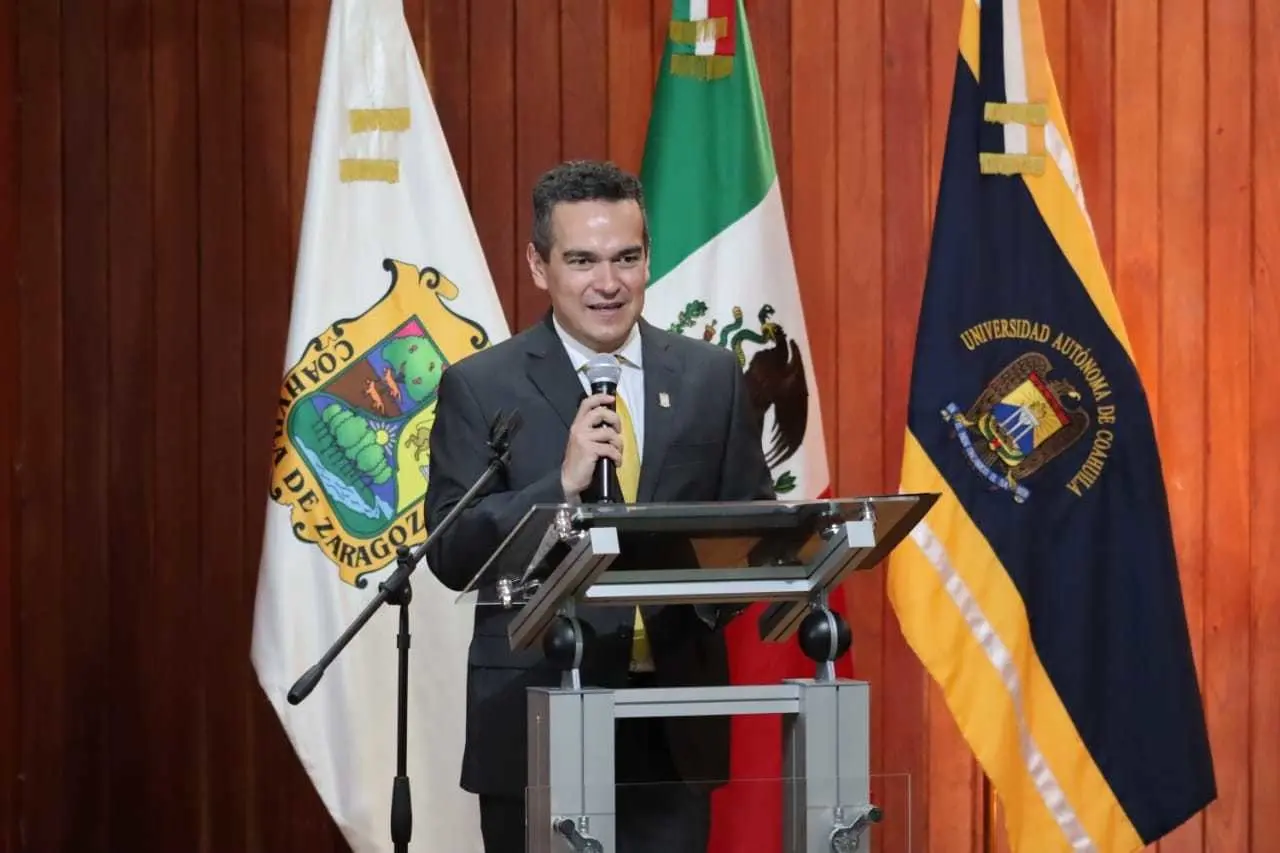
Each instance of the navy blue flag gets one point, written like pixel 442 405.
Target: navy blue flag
pixel 1042 591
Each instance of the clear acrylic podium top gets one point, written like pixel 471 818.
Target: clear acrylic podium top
pixel 784 552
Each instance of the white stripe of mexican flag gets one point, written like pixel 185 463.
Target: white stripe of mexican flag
pixel 749 267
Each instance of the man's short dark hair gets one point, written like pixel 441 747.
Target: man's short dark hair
pixel 581 180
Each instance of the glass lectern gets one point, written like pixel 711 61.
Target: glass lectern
pixel 719 558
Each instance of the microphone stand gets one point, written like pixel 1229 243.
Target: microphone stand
pixel 395 590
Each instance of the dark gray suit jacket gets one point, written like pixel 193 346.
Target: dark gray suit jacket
pixel 702 447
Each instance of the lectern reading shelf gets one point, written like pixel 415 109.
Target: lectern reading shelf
pixel 789 554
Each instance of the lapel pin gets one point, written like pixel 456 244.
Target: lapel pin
pixel 663 400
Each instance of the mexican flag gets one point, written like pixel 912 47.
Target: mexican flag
pixel 722 270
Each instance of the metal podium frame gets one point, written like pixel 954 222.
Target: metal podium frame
pixel 787 553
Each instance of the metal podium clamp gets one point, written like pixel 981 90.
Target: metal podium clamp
pixel 846 837
pixel 576 835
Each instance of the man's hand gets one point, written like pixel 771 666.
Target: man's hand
pixel 596 433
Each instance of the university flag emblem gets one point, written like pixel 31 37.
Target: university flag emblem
pixel 1042 590
pixel 391 288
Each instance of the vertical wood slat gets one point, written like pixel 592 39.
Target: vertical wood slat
pixel 1136 276
pixel 630 69
pixel 944 54
pixel 584 76
pixel 1264 486
pixel 537 137
pixel 224 611
pixel 1180 163
pixel 905 227
pixel 178 727
pixel 285 812
pixel 630 92
pixel 859 464
pixel 449 78
pixel 308 25
pixel 773 41
pixel 1055 22
pixel 45 764
pixel 1227 670
pixel 415 18
pixel 661 11
pixel 86 344
pixel 1089 112
pixel 813 178
pixel 130 425
pixel 493 153
pixel 10 434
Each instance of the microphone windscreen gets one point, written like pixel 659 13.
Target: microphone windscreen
pixel 604 368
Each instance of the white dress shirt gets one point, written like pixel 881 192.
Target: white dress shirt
pixel 630 384
pixel 631 390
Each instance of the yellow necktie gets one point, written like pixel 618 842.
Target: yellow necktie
pixel 629 470
pixel 629 480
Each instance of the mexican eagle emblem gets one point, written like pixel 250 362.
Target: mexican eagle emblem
pixel 775 378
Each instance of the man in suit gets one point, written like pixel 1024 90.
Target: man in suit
pixel 679 429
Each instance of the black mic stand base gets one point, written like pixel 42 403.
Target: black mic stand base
pixel 400 593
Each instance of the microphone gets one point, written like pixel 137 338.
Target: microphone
pixel 603 372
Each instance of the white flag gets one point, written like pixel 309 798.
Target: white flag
pixel 391 287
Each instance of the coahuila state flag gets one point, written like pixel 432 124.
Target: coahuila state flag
pixel 722 270
pixel 391 287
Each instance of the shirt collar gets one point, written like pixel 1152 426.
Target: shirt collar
pixel 579 354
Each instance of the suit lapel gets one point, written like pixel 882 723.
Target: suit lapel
pixel 661 384
pixel 551 371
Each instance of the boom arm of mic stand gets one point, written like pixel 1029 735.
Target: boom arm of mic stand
pixel 396 590
pixel 388 589
pixel 407 561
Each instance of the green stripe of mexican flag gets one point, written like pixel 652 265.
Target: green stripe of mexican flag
pixel 722 267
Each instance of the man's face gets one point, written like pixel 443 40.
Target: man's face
pixel 597 270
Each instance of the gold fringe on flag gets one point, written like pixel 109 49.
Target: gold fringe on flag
pixel 1011 164
pixel 692 32
pixel 712 67
pixel 1033 114
pixel 390 119
pixel 386 171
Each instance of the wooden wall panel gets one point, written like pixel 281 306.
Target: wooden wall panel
pixel 10 634
pixel 904 228
pixel 44 604
pixel 630 63
pixel 86 351
pixel 155 157
pixel 175 693
pixel 1263 645
pixel 1180 416
pixel 130 338
pixel 1225 649
pixel 858 464
pixel 222 650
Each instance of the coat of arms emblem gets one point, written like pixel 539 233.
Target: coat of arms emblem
pixel 1020 423
pixel 351 441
